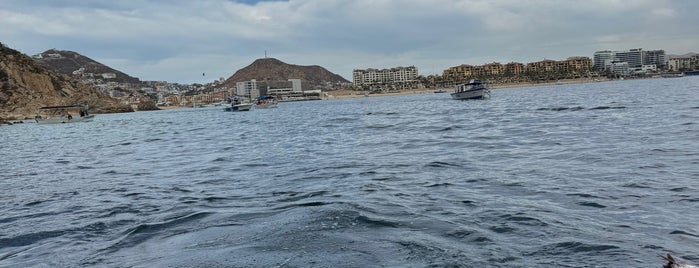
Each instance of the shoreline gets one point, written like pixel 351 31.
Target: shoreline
pixel 343 94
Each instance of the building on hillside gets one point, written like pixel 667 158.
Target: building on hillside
pixel 384 76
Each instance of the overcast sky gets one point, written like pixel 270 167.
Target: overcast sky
pixel 178 40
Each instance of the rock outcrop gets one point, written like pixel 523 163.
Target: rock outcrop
pixel 25 86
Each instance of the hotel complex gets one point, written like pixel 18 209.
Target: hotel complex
pixel 384 76
pixel 630 61
pixel 573 67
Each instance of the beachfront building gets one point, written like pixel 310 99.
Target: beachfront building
pixel 573 67
pixel 635 58
pixel 514 69
pixel 679 64
pixel 247 89
pixel 369 77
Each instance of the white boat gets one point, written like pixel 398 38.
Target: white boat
pixel 266 102
pixel 63 114
pixel 470 90
pixel 241 107
pixel 238 106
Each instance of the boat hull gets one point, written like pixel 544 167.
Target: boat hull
pixel 64 119
pixel 240 107
pixel 471 94
pixel 266 106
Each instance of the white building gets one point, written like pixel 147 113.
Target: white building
pixel 620 68
pixel 636 58
pixel 247 89
pixel 108 75
pixel 679 64
pixel 376 76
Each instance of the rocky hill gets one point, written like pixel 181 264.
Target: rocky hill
pixel 25 85
pixel 67 62
pixel 270 69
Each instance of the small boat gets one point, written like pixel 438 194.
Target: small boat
pixel 471 90
pixel 63 114
pixel 441 90
pixel 238 106
pixel 266 102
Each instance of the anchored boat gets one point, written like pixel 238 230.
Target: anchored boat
pixel 471 90
pixel 63 114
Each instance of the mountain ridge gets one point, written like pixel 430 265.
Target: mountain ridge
pixel 70 61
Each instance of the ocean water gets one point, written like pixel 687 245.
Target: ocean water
pixel 589 175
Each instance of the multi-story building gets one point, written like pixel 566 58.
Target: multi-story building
pixel 635 58
pixel 655 57
pixel 247 89
pixel 679 64
pixel 514 69
pixel 602 59
pixel 379 76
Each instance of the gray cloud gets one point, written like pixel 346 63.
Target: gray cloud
pixel 174 40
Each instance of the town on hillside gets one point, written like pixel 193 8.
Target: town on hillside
pixel 632 63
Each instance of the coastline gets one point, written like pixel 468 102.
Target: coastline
pixel 342 94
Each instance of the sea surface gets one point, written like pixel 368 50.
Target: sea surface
pixel 587 175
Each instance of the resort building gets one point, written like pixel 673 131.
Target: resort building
pixel 635 58
pixel 683 63
pixel 384 76
pixel 573 67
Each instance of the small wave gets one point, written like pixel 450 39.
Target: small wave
pixel 567 248
pixel 679 189
pixel 584 195
pixel 441 164
pixel 143 232
pixel 294 196
pixel 85 167
pixel 657 165
pixel 558 109
pixel 607 107
pixel 28 239
pixel 636 185
pixel 678 232
pixel 444 184
pixel 592 204
pixel 523 220
pixel 376 222
pixel 307 204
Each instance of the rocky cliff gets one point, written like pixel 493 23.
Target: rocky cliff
pixel 25 86
pixel 270 69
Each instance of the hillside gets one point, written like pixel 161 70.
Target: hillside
pixel 26 85
pixel 66 62
pixel 275 70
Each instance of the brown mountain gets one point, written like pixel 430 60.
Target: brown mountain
pixel 66 62
pixel 26 85
pixel 270 69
